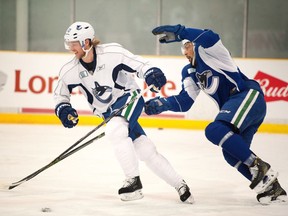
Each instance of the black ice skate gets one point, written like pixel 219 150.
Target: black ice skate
pixel 131 189
pixel 184 193
pixel 274 193
pixel 262 175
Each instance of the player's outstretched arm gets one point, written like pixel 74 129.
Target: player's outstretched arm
pixel 176 33
pixel 171 33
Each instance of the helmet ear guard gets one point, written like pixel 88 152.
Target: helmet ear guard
pixel 78 31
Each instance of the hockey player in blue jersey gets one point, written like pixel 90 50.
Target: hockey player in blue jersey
pixel 241 103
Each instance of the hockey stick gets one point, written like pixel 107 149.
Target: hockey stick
pixel 68 151
pixel 5 186
pixel 56 160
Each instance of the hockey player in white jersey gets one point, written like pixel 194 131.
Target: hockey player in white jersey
pixel 240 100
pixel 105 74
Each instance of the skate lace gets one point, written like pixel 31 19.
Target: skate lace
pixel 128 182
pixel 182 189
pixel 254 171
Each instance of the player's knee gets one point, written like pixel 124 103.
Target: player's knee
pixel 116 129
pixel 144 148
pixel 216 131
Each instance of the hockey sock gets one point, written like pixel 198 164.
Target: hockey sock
pixel 219 133
pixel 241 167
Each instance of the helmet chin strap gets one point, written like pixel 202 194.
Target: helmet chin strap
pixel 86 51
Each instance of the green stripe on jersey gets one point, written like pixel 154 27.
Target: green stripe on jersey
pixel 128 109
pixel 245 107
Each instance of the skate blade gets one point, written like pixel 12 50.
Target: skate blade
pixel 267 200
pixel 136 195
pixel 268 179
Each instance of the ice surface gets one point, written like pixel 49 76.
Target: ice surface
pixel 86 183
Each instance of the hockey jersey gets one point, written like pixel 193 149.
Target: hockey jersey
pixel 213 71
pixel 114 75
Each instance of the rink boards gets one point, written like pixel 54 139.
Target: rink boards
pixel 26 91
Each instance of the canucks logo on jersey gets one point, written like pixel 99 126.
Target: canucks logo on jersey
pixel 205 84
pixel 203 78
pixel 102 93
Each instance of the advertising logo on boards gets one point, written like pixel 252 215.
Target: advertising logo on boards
pixel 274 89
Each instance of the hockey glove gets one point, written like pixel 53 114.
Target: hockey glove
pixel 157 105
pixel 171 33
pixel 67 115
pixel 154 76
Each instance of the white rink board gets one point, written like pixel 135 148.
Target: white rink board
pixel 31 78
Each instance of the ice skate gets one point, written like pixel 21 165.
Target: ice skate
pixel 184 193
pixel 131 189
pixel 274 193
pixel 262 175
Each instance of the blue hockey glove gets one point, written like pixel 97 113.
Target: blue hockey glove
pixel 156 105
pixel 154 76
pixel 67 115
pixel 171 33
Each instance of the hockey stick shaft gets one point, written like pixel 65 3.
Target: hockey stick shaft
pixel 60 158
pixel 68 151
pixel 107 120
pixel 82 146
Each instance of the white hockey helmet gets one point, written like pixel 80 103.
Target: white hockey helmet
pixel 183 45
pixel 78 31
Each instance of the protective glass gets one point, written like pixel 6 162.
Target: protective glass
pixel 69 45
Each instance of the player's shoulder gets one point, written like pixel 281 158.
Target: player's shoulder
pixel 109 48
pixel 69 66
pixel 187 70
